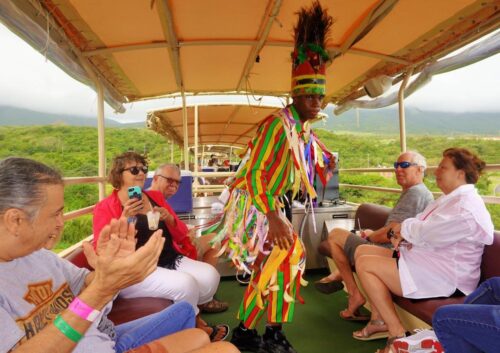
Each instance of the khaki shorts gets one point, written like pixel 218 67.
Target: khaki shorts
pixel 353 241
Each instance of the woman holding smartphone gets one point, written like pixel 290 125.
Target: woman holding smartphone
pixel 179 276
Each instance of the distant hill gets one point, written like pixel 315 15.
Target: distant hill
pixel 15 116
pixel 380 121
pixel 386 121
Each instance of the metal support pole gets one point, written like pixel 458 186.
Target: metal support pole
pixel 185 132
pixel 101 150
pixel 171 151
pixel 196 138
pixel 401 106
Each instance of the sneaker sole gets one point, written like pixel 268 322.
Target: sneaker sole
pixel 430 345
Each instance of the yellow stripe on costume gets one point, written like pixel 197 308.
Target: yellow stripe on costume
pixel 257 175
pixel 303 77
pixel 271 266
pixel 283 161
pixel 311 85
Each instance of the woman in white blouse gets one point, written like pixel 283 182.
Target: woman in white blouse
pixel 437 253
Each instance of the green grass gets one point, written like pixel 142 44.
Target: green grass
pixel 316 328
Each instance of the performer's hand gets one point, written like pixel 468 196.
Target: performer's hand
pixel 279 233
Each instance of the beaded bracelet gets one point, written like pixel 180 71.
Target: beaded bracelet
pixel 66 329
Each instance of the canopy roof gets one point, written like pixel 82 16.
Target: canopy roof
pixel 151 48
pixel 218 124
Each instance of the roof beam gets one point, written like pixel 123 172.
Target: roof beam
pixel 143 46
pixel 167 24
pixel 366 22
pixel 273 8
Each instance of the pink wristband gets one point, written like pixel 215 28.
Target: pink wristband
pixel 81 309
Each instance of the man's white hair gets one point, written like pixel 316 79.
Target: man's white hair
pixel 167 165
pixel 416 158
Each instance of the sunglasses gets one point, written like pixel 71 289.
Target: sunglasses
pixel 403 165
pixel 171 181
pixel 135 170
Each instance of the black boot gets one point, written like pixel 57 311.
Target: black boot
pixel 275 340
pixel 247 340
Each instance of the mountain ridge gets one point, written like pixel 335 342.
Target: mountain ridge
pixel 379 121
pixel 16 116
pixel 420 122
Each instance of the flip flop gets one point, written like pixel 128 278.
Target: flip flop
pixel 355 316
pixel 216 329
pixel 366 335
pixel 328 287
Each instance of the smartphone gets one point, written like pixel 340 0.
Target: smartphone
pixel 135 192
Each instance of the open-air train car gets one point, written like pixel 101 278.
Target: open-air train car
pixel 133 50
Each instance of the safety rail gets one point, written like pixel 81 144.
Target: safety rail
pixel 214 188
pixel 486 199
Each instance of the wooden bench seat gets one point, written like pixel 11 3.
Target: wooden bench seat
pixel 124 310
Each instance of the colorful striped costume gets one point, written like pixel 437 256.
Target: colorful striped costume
pixel 285 155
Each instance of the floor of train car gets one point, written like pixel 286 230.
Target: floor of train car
pixel 316 328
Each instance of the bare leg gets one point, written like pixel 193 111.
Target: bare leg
pixel 191 340
pixel 337 239
pixel 379 276
pixel 179 342
pixel 207 251
pixel 217 347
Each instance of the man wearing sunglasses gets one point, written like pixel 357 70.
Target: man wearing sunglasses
pixel 167 179
pixel 409 169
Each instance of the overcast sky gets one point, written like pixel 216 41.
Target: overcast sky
pixel 27 80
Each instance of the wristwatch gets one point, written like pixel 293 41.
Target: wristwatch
pixel 390 234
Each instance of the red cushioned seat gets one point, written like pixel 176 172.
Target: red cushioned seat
pixel 124 310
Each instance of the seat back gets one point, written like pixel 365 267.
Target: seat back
pixel 371 216
pixel 490 264
pixel 78 258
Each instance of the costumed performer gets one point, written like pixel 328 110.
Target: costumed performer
pixel 285 155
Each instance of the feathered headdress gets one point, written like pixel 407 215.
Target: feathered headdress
pixel 309 56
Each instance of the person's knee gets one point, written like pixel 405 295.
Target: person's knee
pixel 337 236
pixel 197 335
pixel 186 309
pixel 360 251
pixel 361 264
pixel 187 288
pixel 224 347
pixel 207 275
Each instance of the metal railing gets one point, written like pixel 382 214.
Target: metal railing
pixel 214 188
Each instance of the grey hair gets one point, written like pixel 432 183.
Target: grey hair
pixel 167 165
pixel 417 158
pixel 21 181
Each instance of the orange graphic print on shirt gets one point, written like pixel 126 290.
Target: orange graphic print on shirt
pixel 48 304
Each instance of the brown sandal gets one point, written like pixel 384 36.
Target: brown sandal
pixel 366 334
pixel 214 306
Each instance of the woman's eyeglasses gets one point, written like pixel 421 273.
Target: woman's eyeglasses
pixel 171 181
pixel 403 165
pixel 136 170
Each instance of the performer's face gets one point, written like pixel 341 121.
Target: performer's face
pixel 308 106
